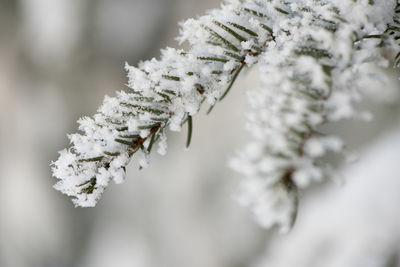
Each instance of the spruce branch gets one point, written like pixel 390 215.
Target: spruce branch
pixel 165 93
pixel 311 56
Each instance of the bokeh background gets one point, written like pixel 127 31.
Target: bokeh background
pixel 58 58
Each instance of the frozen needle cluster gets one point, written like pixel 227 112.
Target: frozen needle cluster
pixel 311 55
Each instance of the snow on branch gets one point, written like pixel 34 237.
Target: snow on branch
pixel 311 56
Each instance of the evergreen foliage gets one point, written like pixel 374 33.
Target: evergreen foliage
pixel 312 56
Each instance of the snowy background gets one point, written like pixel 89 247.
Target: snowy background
pixel 58 58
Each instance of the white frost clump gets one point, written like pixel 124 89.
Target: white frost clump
pixel 310 76
pixel 312 58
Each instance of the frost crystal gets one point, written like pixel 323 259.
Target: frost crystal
pixel 313 57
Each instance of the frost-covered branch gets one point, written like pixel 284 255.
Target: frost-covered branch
pixel 324 54
pixel 311 57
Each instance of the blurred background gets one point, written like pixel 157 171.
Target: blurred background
pixel 58 58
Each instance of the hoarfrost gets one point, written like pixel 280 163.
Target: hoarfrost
pixel 313 57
